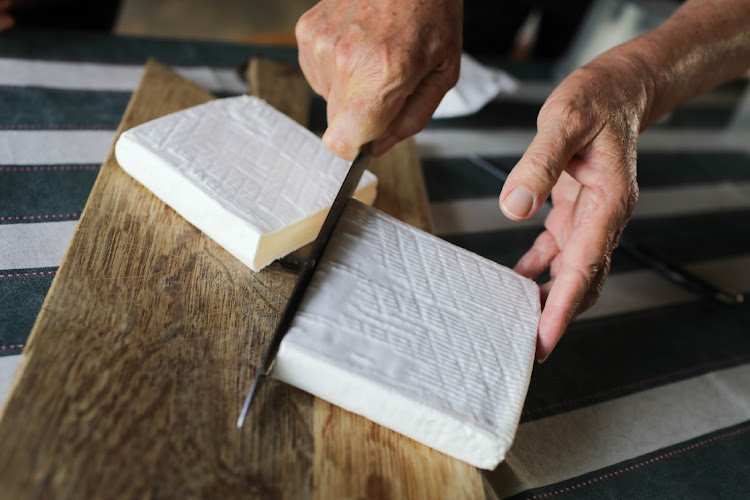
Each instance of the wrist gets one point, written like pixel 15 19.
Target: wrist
pixel 626 72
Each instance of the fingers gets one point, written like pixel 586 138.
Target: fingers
pixel 381 66
pixel 418 108
pixel 362 106
pixel 539 257
pixel 582 268
pixel 562 133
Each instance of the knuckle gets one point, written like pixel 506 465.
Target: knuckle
pixel 395 64
pixel 303 30
pixel 541 167
pixel 366 109
pixel 573 118
pixel 585 273
pixel 570 116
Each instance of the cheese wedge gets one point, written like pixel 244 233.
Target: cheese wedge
pixel 248 176
pixel 416 334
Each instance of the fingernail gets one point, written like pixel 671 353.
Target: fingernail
pixel 519 202
pixel 541 360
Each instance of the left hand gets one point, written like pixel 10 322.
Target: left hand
pixel 584 154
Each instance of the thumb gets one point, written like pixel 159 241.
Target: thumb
pixel 532 179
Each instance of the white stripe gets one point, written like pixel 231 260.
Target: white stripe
pixel 640 290
pixel 8 367
pixel 570 444
pixel 90 146
pixel 40 147
pixel 474 215
pixel 106 77
pixel 41 244
pixel 445 143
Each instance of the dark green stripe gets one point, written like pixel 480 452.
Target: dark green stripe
pixel 457 178
pixel 495 114
pixel 504 247
pixel 81 46
pixel 715 465
pixel 523 70
pixel 695 237
pixel 670 169
pixel 677 239
pixel 22 299
pixel 605 358
pixel 44 193
pixel 50 109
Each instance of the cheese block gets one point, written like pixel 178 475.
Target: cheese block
pixel 416 334
pixel 248 176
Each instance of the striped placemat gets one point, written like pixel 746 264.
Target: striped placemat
pixel 648 394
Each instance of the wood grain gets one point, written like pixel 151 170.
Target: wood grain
pixel 282 85
pixel 144 349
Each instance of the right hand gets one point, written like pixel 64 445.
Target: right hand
pixel 382 65
pixel 6 21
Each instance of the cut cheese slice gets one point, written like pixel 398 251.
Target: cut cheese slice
pixel 248 176
pixel 416 334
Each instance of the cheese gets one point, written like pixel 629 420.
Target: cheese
pixel 416 334
pixel 245 174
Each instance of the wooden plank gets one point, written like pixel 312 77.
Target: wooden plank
pixel 143 351
pixel 282 85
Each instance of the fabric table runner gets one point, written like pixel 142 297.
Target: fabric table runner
pixel 648 393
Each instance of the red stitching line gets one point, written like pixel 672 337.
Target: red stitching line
pixel 634 385
pixel 12 347
pixel 645 463
pixel 73 215
pixel 49 168
pixel 33 274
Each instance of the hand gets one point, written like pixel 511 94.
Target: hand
pixel 584 153
pixel 382 65
pixel 6 21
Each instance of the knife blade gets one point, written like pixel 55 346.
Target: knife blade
pixel 346 192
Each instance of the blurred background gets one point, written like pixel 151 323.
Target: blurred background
pixel 574 30
pixel 258 21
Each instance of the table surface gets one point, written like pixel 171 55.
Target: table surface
pixel 648 394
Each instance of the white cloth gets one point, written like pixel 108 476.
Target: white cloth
pixel 477 85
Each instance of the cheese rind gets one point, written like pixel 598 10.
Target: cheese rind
pixel 416 334
pixel 242 172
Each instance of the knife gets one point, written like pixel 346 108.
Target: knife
pixel 346 192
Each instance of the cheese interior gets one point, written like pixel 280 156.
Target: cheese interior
pixel 273 245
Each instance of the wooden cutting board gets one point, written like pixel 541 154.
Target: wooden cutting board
pixel 139 360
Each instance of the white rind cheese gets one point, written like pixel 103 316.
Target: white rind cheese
pixel 248 176
pixel 416 334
